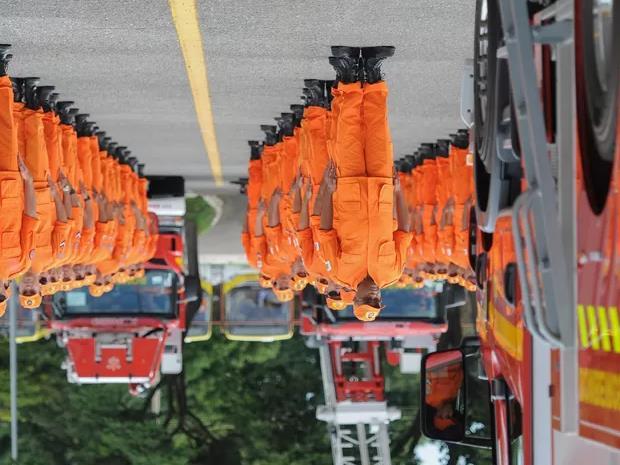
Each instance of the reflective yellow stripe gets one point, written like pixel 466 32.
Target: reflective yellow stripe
pixel 615 328
pixel 185 18
pixel 507 335
pixel 583 326
pixel 594 334
pixel 602 317
pixel 599 388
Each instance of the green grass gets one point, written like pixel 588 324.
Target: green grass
pixel 201 212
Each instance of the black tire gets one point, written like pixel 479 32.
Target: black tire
pixel 496 172
pixel 597 101
pixel 166 186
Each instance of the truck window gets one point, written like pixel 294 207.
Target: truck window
pixel 478 421
pixel 255 312
pixel 404 304
pixel 153 295
pixel 515 431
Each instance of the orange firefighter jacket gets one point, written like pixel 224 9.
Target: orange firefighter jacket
pixel 364 242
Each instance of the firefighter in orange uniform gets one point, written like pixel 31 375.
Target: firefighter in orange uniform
pixel 445 209
pixel 18 221
pixel 461 166
pixel 274 245
pixel 361 249
pixel 428 189
pixel 254 187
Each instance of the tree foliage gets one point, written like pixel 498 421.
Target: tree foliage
pixel 236 403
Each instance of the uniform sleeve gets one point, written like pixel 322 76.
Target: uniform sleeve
pixel 274 238
pixel 87 244
pixel 306 245
pixel 60 240
pixel 29 225
pixel 152 247
pixel 315 224
pixel 402 241
pixel 329 248
pixel 259 247
pixel 246 242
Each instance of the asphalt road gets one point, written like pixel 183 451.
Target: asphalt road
pixel 120 61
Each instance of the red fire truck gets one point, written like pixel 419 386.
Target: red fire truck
pixel 135 331
pixel 355 409
pixel 540 385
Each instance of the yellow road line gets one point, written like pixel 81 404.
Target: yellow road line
pixel 185 18
pixel 602 316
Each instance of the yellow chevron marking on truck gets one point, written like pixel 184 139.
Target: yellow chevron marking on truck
pixel 605 335
pixel 615 328
pixel 583 326
pixel 599 388
pixel 599 327
pixel 594 334
pixel 507 335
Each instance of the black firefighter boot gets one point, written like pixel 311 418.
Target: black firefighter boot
pixel 345 61
pixel 460 139
pixel 372 58
pixel 271 136
pixel 286 124
pixel 30 94
pixel 443 148
pixel 62 110
pixel 44 94
pixel 112 149
pixel 81 124
pixel 328 86
pixel 52 103
pixel 101 139
pixel 5 58
pixel 71 113
pixel 18 89
pixel 255 152
pixel 298 112
pixel 427 151
pixel 314 92
pixel 120 154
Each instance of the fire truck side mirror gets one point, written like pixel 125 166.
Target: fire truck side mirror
pixel 443 396
pixel 456 400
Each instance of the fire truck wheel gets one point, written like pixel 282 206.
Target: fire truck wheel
pixel 597 60
pixel 496 165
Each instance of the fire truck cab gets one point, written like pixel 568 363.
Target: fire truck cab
pixel 135 331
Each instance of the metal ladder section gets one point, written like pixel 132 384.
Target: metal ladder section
pixel 361 444
pixel 358 430
pixel 543 273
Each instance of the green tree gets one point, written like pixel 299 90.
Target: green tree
pixel 236 403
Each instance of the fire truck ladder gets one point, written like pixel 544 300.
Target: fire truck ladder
pixel 537 230
pixel 355 411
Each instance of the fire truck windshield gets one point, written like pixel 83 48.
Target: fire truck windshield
pixel 153 295
pixel 254 311
pixel 404 304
